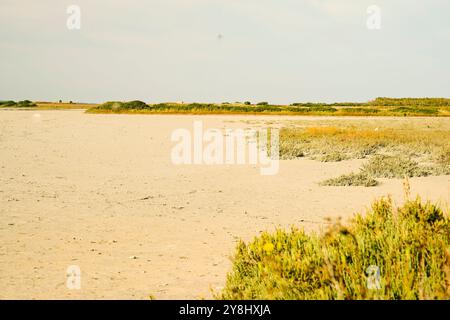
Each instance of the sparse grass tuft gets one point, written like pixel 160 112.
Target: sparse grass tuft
pixel 410 246
pixel 382 166
pixel 352 179
pixel 333 157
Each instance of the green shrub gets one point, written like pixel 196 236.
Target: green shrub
pixel 263 103
pixel 322 109
pixel 8 103
pixel 25 103
pixel 19 104
pixel 135 105
pixel 409 245
pixel 118 105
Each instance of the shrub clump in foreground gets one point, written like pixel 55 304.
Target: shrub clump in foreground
pixel 410 245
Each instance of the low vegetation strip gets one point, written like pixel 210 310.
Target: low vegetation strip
pixel 377 107
pixel 389 253
pixel 203 108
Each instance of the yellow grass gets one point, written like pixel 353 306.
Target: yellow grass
pixel 57 105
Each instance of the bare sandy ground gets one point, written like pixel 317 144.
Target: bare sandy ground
pixel 101 192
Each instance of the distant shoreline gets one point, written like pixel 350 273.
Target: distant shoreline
pixel 379 107
pixel 310 114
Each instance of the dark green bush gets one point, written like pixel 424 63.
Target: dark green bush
pixel 8 103
pixel 135 105
pixel 25 104
pixel 360 110
pixel 118 105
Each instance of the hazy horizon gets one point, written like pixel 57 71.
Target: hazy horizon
pixel 224 51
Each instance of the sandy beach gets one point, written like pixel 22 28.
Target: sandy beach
pixel 101 192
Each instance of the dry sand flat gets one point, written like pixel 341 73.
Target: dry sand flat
pixel 100 192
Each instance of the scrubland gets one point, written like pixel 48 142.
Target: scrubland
pixel 99 191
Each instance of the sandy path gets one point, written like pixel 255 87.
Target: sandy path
pixel 71 190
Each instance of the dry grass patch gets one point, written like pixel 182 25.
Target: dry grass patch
pixel 392 152
pixel 351 143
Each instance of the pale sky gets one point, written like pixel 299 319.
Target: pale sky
pixel 280 51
